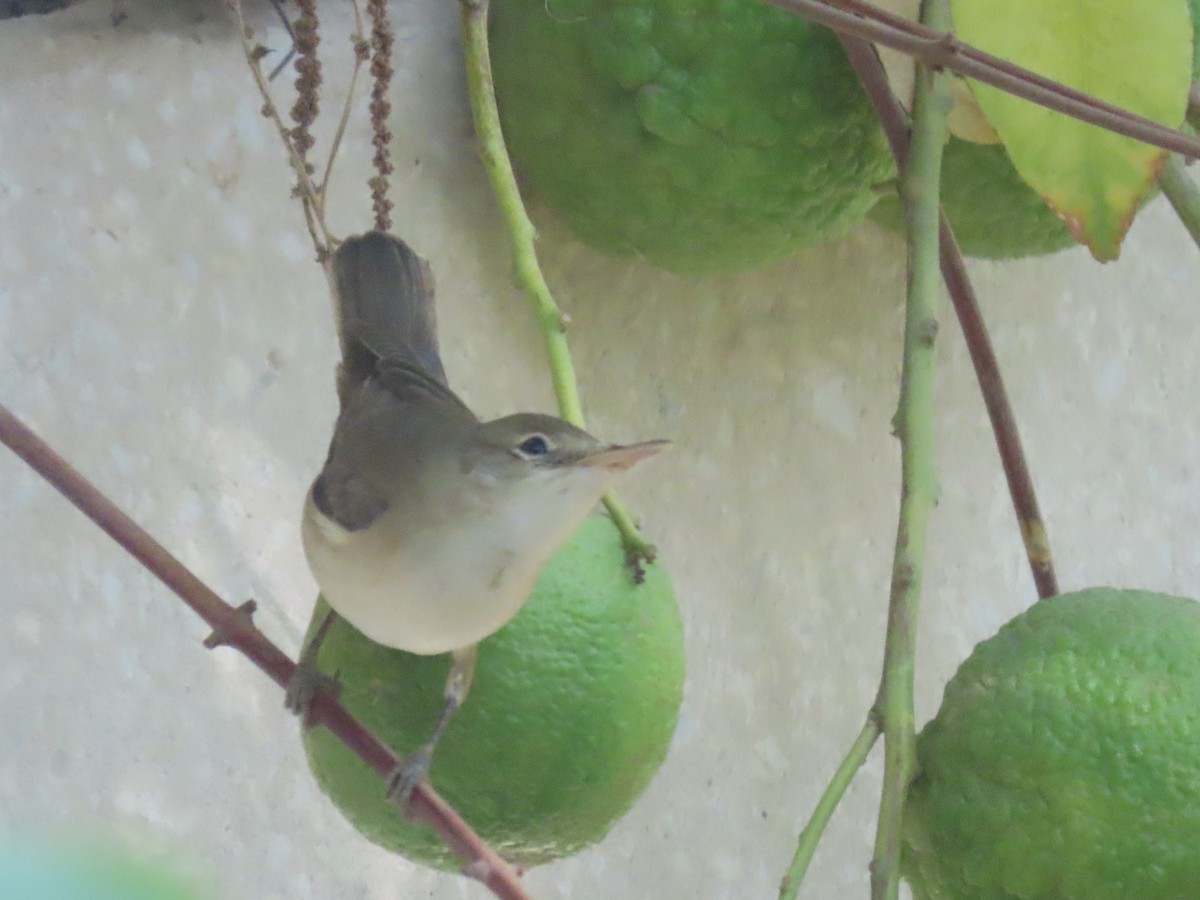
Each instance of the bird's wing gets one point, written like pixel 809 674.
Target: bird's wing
pixel 408 382
pixel 392 388
pixel 347 500
pixel 386 433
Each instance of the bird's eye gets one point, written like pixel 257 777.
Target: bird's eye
pixel 534 445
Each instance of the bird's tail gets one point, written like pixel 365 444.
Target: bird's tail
pixel 383 293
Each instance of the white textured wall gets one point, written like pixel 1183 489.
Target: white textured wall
pixel 162 324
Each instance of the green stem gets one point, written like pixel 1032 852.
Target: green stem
pixel 806 846
pixel 1183 193
pixel 915 428
pixel 549 317
pixel 894 120
pixel 521 231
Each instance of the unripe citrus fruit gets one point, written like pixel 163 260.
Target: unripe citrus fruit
pixel 994 213
pixel 701 135
pixel 570 714
pixel 1064 762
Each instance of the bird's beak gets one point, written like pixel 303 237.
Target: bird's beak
pixel 620 457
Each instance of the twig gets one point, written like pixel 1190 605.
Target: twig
pixel 920 185
pixel 309 195
pixel 297 141
pixel 361 50
pixel 1181 190
pixel 550 319
pixel 234 627
pixel 987 371
pixel 970 319
pixel 277 5
pixel 942 49
pixel 806 846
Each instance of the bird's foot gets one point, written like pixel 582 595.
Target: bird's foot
pixel 407 775
pixel 306 683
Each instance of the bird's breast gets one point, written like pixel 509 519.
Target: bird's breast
pixel 422 589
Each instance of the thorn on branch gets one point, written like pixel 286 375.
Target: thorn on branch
pixel 219 638
pixel 478 869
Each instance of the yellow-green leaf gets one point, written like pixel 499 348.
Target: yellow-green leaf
pixel 1136 54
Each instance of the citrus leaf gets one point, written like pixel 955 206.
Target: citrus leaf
pixel 1135 55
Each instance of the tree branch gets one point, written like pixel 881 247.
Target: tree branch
pixel 806 845
pixel 970 319
pixel 920 185
pixel 235 628
pixel 942 49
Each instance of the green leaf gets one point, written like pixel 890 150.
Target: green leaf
pixel 1136 54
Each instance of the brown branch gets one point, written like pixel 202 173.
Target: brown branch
pixel 235 628
pixel 937 48
pixel 970 319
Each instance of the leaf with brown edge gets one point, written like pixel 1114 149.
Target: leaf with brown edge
pixel 1135 55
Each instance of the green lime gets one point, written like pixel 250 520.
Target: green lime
pixel 571 712
pixel 994 213
pixel 701 135
pixel 1064 762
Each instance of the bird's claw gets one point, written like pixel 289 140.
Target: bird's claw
pixel 407 775
pixel 306 682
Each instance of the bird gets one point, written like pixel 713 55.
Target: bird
pixel 427 527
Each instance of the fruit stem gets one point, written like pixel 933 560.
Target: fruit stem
pixel 920 183
pixel 1183 193
pixel 806 846
pixel 550 319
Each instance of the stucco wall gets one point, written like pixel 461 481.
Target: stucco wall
pixel 163 325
